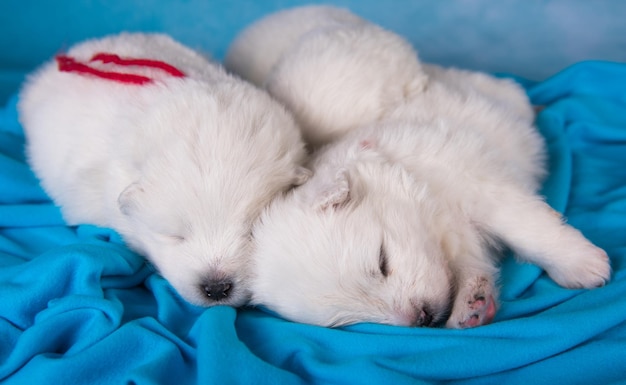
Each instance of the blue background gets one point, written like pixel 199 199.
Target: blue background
pixel 532 39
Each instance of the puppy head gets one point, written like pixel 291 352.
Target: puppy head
pixel 191 210
pixel 205 262
pixel 352 246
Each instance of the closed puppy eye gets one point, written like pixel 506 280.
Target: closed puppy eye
pixel 176 238
pixel 382 262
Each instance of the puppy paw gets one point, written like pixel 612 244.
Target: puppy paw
pixel 587 267
pixel 474 305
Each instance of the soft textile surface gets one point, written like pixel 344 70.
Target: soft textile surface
pixel 77 307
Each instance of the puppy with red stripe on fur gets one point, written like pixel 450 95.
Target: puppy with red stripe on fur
pixel 427 173
pixel 138 133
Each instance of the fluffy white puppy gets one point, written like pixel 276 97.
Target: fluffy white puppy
pixel 429 172
pixel 141 134
pixel 288 53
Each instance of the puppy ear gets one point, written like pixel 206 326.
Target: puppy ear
pixel 302 174
pixel 334 193
pixel 128 200
pixel 368 144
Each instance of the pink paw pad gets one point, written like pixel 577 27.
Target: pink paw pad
pixel 484 312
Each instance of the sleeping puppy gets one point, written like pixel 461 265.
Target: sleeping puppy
pixel 429 173
pixel 288 54
pixel 141 134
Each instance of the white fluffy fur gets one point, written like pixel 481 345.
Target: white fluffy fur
pixel 428 172
pixel 180 167
pixel 289 52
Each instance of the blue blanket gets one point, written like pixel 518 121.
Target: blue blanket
pixel 76 306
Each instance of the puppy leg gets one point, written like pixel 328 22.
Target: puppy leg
pixel 538 234
pixel 476 294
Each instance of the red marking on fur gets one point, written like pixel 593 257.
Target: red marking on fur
pixel 69 64
pixel 112 58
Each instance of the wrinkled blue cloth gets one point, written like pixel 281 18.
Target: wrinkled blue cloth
pixel 76 306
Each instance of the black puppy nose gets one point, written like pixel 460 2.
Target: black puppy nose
pixel 423 318
pixel 218 291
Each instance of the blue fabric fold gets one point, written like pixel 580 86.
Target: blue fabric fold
pixel 76 306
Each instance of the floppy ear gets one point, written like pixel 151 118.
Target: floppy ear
pixel 334 193
pixel 129 198
pixel 302 174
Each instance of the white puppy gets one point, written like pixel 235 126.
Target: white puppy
pixel 289 52
pixel 430 171
pixel 139 133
